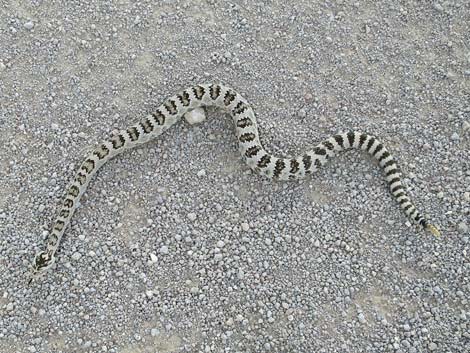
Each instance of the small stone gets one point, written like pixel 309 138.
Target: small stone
pixel 240 274
pixel 432 346
pixel 192 216
pixel 32 349
pixel 164 250
pixel 440 195
pixel 466 196
pixel 29 25
pixel 41 208
pixel 76 256
pixel 245 226
pixel 153 258
pixel 195 116
pixel 201 173
pixel 10 307
pixel 2 66
pixel 308 97
pixel 154 332
pixel 462 227
pixel 361 318
pixel 455 136
pixel 465 125
pixel 438 7
pixel 220 244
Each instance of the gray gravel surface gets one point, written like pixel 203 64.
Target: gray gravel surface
pixel 177 246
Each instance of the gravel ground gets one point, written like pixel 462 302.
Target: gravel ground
pixel 177 246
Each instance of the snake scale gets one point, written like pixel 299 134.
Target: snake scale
pixel 250 148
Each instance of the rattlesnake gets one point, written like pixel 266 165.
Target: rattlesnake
pixel 249 145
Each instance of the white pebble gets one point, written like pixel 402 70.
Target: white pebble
pixel 154 332
pixel 192 216
pixel 164 250
pixel 245 226
pixel 455 136
pixel 29 25
pixel 195 116
pixel 201 173
pixel 220 244
pixel 153 258
pixel 361 318
pixel 76 256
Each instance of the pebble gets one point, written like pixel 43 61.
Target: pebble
pixel 465 125
pixel 463 228
pixel 192 216
pixel 302 113
pixel 164 250
pixel 154 332
pixel 432 346
pixel 201 173
pixel 195 116
pixel 438 7
pixel 29 25
pixel 245 226
pixel 455 136
pixel 308 97
pixel 361 318
pixel 153 258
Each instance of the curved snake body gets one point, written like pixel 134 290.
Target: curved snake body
pixel 249 145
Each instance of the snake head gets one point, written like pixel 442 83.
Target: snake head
pixel 42 261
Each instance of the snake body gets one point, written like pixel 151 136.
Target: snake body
pixel 250 148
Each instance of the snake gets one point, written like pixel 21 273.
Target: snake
pixel 250 147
